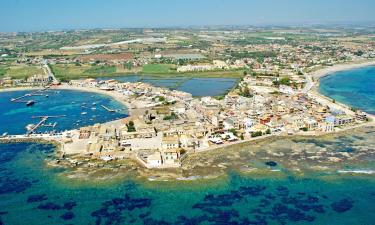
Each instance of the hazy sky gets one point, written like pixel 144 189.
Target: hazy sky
pixel 36 15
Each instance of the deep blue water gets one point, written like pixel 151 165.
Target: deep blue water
pixel 14 117
pixel 196 86
pixel 353 87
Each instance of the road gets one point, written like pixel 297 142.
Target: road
pixel 48 71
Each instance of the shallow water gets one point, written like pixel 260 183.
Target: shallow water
pixel 42 196
pixel 196 86
pixel 14 117
pixel 353 87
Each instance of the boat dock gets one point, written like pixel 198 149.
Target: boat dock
pixel 35 93
pixel 108 109
pixel 41 122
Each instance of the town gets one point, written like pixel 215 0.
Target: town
pixel 274 95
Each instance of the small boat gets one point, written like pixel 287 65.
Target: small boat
pixel 93 108
pixel 94 103
pixel 30 103
pixel 47 96
pixel 30 127
pixel 83 113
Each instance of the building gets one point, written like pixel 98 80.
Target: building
pixel 155 160
pixel 171 157
pixel 170 142
pixel 39 79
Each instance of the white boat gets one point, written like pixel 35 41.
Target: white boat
pixel 83 113
pixel 29 126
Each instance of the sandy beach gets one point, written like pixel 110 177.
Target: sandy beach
pixel 340 67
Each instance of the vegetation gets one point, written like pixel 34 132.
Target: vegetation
pixel 246 92
pixel 261 55
pixel 173 116
pixel 234 131
pixel 131 127
pixel 283 81
pixel 66 72
pixel 256 134
pixel 20 72
pixel 157 68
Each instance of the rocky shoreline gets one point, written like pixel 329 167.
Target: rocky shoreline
pixel 247 157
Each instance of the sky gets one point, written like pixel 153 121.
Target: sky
pixel 45 15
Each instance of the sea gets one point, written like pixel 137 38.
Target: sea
pixel 354 87
pixel 33 193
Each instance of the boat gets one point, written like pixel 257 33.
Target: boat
pixel 83 113
pixel 30 103
pixel 29 126
pixel 93 108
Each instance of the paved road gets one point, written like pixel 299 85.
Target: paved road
pixel 49 72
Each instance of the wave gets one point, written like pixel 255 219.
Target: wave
pixel 357 171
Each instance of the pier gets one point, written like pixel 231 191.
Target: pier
pixel 108 109
pixel 35 93
pixel 41 122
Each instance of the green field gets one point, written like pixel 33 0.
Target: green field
pixel 66 72
pixel 157 68
pixel 20 72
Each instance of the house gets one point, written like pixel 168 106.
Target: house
pixel 311 124
pixel 155 160
pixel 39 79
pixel 343 120
pixel 171 157
pixel 170 142
pixel 360 116
pixel 326 126
pixel 258 128
pixel 84 133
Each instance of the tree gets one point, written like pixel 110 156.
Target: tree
pixel 268 131
pixel 285 81
pixel 131 127
pixel 256 134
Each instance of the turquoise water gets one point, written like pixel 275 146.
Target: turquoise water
pixel 196 86
pixel 14 117
pixel 41 196
pixel 353 87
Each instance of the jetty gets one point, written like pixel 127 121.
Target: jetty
pixel 42 121
pixel 108 109
pixel 29 102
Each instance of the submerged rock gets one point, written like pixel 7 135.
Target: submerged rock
pixel 271 163
pixel 36 198
pixel 343 205
pixel 67 216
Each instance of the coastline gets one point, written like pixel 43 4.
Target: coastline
pixel 317 75
pixel 340 67
pixel 313 91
